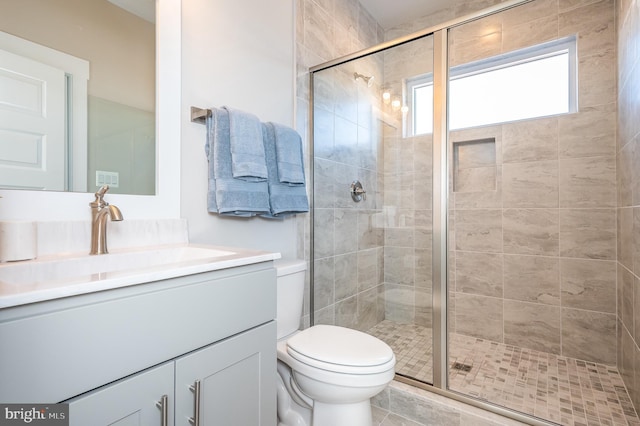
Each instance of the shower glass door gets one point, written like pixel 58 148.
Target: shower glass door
pixel 372 251
pixel 532 274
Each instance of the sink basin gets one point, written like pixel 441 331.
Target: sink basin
pixel 67 275
pixel 66 268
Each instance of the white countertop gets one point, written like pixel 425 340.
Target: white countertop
pixel 53 277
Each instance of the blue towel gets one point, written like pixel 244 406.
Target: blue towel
pixel 289 155
pixel 247 150
pixel 285 199
pixel 226 195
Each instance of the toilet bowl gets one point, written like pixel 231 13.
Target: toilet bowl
pixel 326 374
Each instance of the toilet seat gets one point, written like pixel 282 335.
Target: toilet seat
pixel 340 350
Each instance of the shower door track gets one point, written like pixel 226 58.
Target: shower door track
pixel 440 206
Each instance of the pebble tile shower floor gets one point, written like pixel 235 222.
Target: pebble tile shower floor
pixel 563 390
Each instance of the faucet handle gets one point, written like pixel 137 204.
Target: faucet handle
pixel 100 195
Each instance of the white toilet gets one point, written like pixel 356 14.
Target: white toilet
pixel 326 374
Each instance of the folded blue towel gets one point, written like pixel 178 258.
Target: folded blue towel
pixel 289 155
pixel 247 150
pixel 226 195
pixel 285 199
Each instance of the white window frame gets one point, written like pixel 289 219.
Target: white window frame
pixel 566 45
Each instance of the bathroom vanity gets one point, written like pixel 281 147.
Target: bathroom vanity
pixel 188 342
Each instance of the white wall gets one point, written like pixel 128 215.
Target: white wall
pixel 239 54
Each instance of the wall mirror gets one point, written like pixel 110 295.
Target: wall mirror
pixel 78 95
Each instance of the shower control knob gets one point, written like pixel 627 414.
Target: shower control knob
pixel 357 191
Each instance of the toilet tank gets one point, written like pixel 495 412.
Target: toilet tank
pixel 290 289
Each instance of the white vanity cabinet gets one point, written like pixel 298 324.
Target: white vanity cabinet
pixel 112 355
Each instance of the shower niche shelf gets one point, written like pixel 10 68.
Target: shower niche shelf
pixel 474 165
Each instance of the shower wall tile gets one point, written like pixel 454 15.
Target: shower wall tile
pixel 588 233
pixel 367 309
pixel 424 307
pixel 324 183
pixel 530 140
pixel 532 326
pixel 532 279
pixel 588 284
pixel 346 312
pixel 423 269
pixel 324 236
pixel 399 303
pixel 483 46
pixel 531 231
pixel 478 179
pixel 323 129
pixel 532 184
pixel 479 273
pixel 323 273
pixel 597 84
pixel 346 231
pixel 635 244
pixel 589 335
pixel 624 174
pixel 399 237
pixel 530 12
pixel 422 191
pixel 592 132
pixel 588 182
pixel 480 200
pixel 626 281
pixel 625 237
pixel 635 308
pixel 346 276
pixel 478 230
pixel 370 233
pixel 479 316
pixel 595 25
pixel 319 29
pixel 530 33
pixel 399 265
pixel 367 269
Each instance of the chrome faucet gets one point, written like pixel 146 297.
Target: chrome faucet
pixel 100 209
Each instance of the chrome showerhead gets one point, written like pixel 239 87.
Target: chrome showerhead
pixel 366 79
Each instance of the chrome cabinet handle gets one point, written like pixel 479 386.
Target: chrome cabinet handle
pixel 163 405
pixel 195 388
pixel 357 191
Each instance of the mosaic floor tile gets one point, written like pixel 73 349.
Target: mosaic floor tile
pixel 564 390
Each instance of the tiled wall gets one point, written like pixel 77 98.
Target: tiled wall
pixel 533 239
pixel 533 261
pixel 348 242
pixel 628 161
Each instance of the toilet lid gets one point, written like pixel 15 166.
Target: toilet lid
pixel 340 349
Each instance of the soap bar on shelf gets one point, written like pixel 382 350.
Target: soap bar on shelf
pixel 18 240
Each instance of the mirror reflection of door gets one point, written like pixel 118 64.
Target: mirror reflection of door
pixel 32 123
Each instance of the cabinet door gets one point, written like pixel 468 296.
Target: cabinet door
pixel 127 402
pixel 236 381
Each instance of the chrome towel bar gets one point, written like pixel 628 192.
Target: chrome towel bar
pixel 199 115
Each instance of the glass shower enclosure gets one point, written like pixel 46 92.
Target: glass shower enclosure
pixel 464 208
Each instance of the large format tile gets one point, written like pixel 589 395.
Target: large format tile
pixel 588 233
pixel 532 279
pixel 589 335
pixel 479 316
pixel 531 325
pixel 588 284
pixel 479 273
pixel 588 182
pixel 478 230
pixel 530 140
pixel 531 231
pixel 531 184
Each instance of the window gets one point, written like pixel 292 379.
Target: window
pixel 534 82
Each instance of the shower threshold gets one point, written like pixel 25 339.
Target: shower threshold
pixel 563 390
